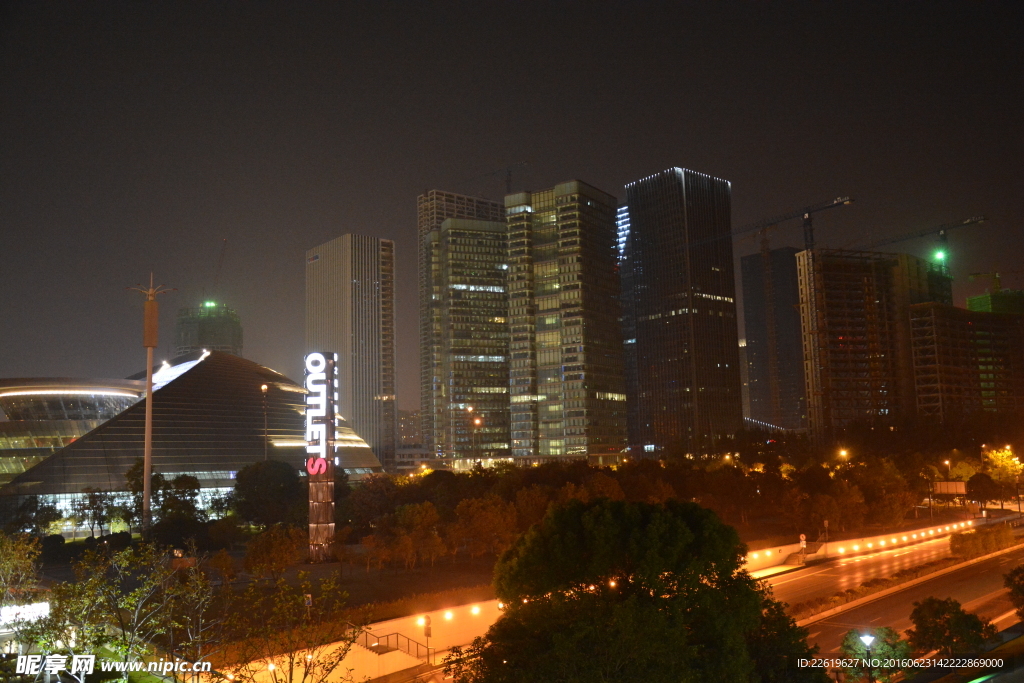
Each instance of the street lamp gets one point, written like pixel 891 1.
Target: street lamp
pixel 843 453
pixel 264 388
pixel 867 639
pixel 949 470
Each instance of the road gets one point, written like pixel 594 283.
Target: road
pixel 830 577
pixel 978 587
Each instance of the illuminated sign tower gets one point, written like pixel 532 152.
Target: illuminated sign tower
pixel 321 432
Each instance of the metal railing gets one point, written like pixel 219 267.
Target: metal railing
pixel 382 644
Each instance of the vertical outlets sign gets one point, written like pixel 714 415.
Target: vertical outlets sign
pixel 321 424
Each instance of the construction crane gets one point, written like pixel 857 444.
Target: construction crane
pixel 765 226
pixel 995 276
pixel 507 171
pixel 220 266
pixel 942 231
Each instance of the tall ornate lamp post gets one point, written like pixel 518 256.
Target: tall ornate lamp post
pixel 150 339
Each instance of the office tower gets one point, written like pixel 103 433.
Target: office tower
pixel 470 307
pixel 409 428
pixel 966 361
pixel 211 327
pixel 682 344
pixel 621 229
pixel 855 325
pixel 568 391
pixel 350 310
pixel 433 207
pixel 771 314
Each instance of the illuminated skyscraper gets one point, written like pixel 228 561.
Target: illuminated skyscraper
pixel 682 346
pixel 350 310
pixel 470 306
pixel 567 383
pixel 432 209
pixel 211 327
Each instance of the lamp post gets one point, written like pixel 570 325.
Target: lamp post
pixel 150 340
pixel 867 639
pixel 264 388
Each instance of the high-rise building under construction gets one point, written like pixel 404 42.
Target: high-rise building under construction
pixel 567 386
pixel 208 327
pixel 855 326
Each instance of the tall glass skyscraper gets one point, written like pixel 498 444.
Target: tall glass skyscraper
pixel 433 207
pixel 680 314
pixel 567 383
pixel 469 260
pixel 774 349
pixel 350 310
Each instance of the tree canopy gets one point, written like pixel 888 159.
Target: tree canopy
pixel 615 590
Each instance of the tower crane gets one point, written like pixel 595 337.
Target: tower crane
pixel 767 224
pixel 507 171
pixel 220 266
pixel 942 231
pixel 764 227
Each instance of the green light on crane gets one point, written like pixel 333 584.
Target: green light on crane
pixel 210 304
pixel 940 256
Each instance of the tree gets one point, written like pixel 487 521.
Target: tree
pixel 1014 581
pixel 292 633
pixel 485 525
pixel 887 647
pixel 19 571
pixel 1002 465
pixel 120 600
pixel 96 509
pixel 420 523
pixel 982 488
pixel 30 516
pixel 532 504
pixel 223 564
pixel 198 628
pixel 614 590
pixel 273 551
pixel 269 492
pixel 133 480
pixel 181 500
pixel 945 626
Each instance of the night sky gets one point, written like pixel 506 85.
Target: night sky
pixel 135 136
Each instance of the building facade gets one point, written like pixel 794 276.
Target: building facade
pixel 682 346
pixel 855 326
pixel 350 310
pixel 771 316
pixel 469 304
pixel 966 361
pixel 567 382
pixel 208 327
pixel 210 419
pixel 433 207
pixel 999 301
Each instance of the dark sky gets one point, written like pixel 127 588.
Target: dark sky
pixel 136 135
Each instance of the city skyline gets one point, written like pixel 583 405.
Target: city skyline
pixel 119 165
